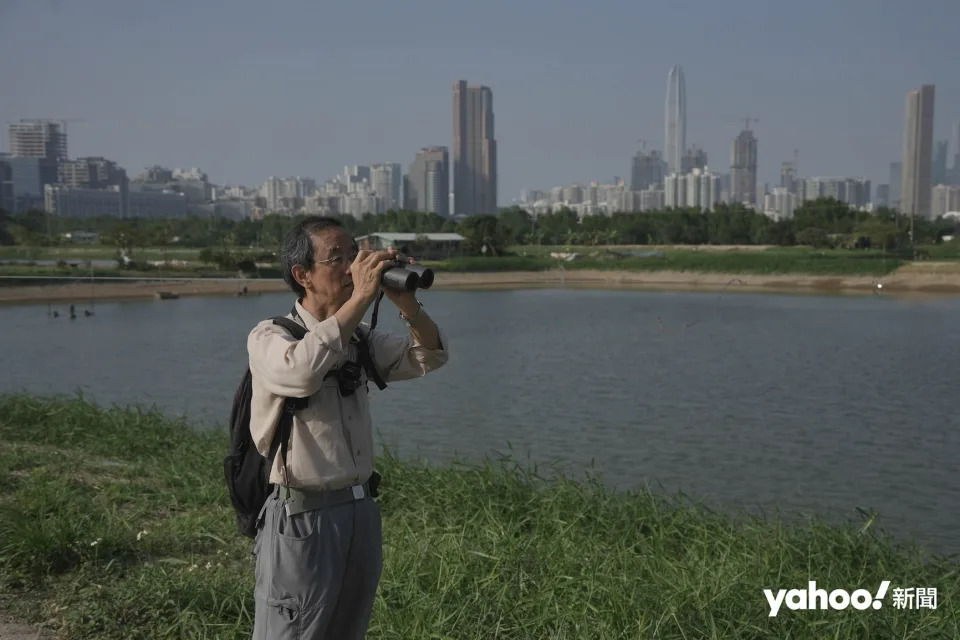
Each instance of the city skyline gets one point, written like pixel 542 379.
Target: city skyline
pixel 244 108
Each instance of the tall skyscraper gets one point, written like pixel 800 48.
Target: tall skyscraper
pixel 474 150
pixel 386 180
pixel 743 168
pixel 38 139
pixel 788 177
pixel 915 184
pixel 675 142
pixel 647 169
pixel 694 158
pixel 426 185
pixel 938 170
pixel 953 153
pixel 896 174
pixel 6 186
pixel 881 196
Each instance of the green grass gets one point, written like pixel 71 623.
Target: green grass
pixel 114 523
pixel 774 260
pixel 93 252
pixel 67 273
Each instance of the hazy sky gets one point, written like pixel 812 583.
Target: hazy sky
pixel 246 89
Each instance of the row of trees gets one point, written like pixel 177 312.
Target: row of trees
pixel 820 223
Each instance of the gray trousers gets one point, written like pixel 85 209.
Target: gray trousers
pixel 317 572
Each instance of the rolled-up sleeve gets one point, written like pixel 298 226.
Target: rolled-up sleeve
pixel 289 367
pixel 402 358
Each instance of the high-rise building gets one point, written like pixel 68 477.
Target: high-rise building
pixel 675 191
pixel 426 186
pixel 652 199
pixel 779 204
pixel 938 170
pixel 357 177
pixel 788 177
pixel 896 174
pixel 698 189
pixel 474 150
pixel 915 184
pixel 881 197
pixel 694 158
pixel 38 139
pixel 945 200
pixel 743 168
pixel 675 141
pixel 953 154
pixel 386 181
pixel 6 186
pixel 857 192
pixel 30 175
pixel 91 173
pixel 647 169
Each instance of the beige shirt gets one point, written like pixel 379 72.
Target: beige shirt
pixel 331 441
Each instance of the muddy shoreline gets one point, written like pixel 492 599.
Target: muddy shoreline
pixel 914 279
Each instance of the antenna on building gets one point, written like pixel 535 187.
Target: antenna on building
pixel 643 144
pixel 747 122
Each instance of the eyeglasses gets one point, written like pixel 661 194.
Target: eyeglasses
pixel 339 261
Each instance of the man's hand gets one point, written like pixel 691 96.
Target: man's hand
pixel 422 327
pixel 366 272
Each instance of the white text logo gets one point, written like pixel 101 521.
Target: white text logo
pixel 814 598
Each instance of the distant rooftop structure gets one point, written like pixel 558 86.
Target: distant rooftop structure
pixel 390 236
pixel 424 246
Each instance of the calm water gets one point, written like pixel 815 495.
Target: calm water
pixel 815 404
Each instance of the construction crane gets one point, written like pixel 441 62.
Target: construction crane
pixel 747 120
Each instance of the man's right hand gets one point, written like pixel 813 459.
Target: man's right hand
pixel 366 272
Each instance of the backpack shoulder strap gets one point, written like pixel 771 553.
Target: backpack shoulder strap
pixel 297 330
pixel 366 361
pixel 290 405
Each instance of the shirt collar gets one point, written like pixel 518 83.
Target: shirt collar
pixel 309 321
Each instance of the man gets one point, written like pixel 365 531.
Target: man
pixel 319 546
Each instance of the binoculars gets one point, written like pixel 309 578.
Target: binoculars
pixel 406 277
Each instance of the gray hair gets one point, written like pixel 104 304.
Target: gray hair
pixel 297 248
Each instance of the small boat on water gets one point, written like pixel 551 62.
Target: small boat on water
pixel 167 295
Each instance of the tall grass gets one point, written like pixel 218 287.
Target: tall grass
pixel 769 261
pixel 114 523
pixel 773 261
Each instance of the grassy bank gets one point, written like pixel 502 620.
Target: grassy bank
pixel 94 252
pixel 772 260
pixel 115 524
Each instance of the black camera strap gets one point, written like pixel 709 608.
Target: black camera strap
pixel 376 309
pixel 363 347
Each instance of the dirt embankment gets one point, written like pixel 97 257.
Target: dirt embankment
pixel 927 278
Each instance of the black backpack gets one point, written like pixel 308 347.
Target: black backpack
pixel 247 472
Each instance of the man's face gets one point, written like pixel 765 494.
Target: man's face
pixel 330 279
